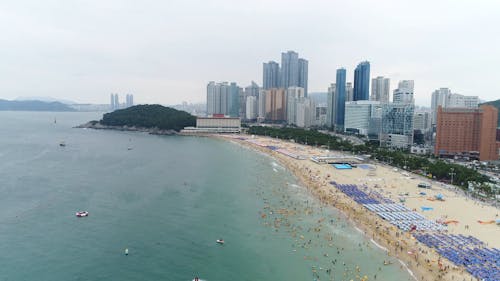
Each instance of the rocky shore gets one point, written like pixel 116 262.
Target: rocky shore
pixel 98 126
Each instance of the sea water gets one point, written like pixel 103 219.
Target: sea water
pixel 166 199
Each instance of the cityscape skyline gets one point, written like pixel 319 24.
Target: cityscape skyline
pixel 56 50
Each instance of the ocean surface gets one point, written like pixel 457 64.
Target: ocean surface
pixel 167 199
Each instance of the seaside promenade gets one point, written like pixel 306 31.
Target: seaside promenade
pixel 437 233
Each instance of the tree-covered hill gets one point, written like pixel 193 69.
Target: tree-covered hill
pixel 149 116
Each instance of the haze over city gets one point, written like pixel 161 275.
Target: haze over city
pixel 166 52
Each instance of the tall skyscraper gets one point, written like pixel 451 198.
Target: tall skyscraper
pixel 303 74
pixel 275 105
pixel 234 100
pixel 293 96
pixel 439 98
pixel 223 98
pixel 251 90
pixel 380 89
pixel 129 100
pixel 339 100
pixel 251 108
pixel 271 75
pixel 294 71
pixel 116 102
pixel 349 92
pixel 112 102
pixel 211 98
pixel 330 106
pixel 289 69
pixel 362 81
pixel 261 104
pixel 305 113
pixel 404 92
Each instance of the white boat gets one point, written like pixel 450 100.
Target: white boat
pixel 126 251
pixel 82 214
pixel 220 241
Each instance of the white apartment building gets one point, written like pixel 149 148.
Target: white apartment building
pixel 251 107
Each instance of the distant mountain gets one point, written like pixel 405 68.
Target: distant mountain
pixel 33 105
pixel 495 103
pixel 149 116
pixel 44 99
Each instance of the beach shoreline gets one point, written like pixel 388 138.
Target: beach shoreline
pixel 423 263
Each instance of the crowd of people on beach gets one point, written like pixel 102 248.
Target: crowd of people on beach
pixel 426 263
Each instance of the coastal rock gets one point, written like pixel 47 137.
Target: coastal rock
pixel 98 126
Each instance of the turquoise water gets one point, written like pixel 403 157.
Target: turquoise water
pixel 167 200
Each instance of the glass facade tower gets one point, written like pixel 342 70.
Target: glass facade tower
pixel 362 81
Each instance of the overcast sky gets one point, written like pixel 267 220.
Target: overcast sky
pixel 165 51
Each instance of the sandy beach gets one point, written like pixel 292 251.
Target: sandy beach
pixel 461 213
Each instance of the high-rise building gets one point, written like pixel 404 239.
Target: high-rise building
pixel 404 92
pixel 457 100
pixel 271 75
pixel 289 69
pixel 303 74
pixel 349 92
pixel 293 96
pixel 251 108
pixel 234 100
pixel 261 104
pixel 330 111
pixel 397 124
pixel 422 121
pixel 445 98
pixel 339 100
pixel 211 99
pixel 251 90
pixel 305 113
pixel 439 98
pixel 112 102
pixel 362 81
pixel 116 102
pixel 320 115
pixel 359 114
pixel 129 100
pixel 223 98
pixel 275 105
pixel 467 132
pixel 294 71
pixel 380 89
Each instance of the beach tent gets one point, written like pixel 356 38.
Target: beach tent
pixel 440 197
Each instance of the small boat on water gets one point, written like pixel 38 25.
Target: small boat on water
pixel 220 241
pixel 62 144
pixel 126 251
pixel 82 214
